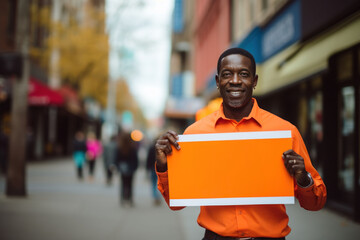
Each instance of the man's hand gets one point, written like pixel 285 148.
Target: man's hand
pixel 294 163
pixel 163 148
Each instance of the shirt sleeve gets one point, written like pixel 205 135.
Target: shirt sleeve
pixel 313 197
pixel 163 186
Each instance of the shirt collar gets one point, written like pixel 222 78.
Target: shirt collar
pixel 254 114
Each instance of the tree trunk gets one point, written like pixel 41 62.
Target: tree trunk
pixel 15 185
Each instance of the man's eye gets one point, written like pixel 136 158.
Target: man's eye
pixel 244 74
pixel 226 74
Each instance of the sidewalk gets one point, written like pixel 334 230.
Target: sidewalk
pixel 60 207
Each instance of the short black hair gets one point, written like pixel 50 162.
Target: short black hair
pixel 240 51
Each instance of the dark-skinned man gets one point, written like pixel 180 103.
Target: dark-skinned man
pixel 236 78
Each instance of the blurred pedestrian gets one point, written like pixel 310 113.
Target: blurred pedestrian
pixel 79 153
pixel 4 149
pixel 94 149
pixel 109 158
pixel 150 166
pixel 127 160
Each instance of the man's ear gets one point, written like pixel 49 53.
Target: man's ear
pixel 255 80
pixel 217 81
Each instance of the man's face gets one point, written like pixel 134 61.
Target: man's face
pixel 236 81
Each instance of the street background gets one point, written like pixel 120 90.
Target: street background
pixel 58 206
pixel 116 67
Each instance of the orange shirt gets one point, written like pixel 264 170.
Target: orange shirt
pixel 252 220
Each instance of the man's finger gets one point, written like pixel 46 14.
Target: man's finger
pixel 164 146
pixel 173 134
pixel 288 152
pixel 173 137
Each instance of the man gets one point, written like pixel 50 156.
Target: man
pixel 109 158
pixel 236 78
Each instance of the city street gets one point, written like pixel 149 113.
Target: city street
pixel 58 206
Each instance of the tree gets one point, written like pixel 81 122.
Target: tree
pixel 15 185
pixel 83 52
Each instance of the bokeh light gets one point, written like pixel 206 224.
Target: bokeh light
pixel 137 135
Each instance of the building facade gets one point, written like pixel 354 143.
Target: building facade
pixel 182 102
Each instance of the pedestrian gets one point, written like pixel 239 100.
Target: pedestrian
pixel 79 153
pixel 94 150
pixel 4 149
pixel 239 112
pixel 109 158
pixel 127 160
pixel 150 166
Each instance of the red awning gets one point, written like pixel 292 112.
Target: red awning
pixel 42 95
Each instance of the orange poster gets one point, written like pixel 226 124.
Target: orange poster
pixel 242 168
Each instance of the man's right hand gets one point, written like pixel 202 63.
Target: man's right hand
pixel 163 149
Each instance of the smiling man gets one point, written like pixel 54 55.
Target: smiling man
pixel 236 78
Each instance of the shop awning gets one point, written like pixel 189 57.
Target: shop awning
pixel 309 59
pixel 42 95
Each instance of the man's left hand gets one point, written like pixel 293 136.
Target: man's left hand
pixel 294 163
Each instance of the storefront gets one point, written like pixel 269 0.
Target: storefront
pixel 44 104
pixel 342 112
pixel 325 106
pixel 315 84
pixel 53 117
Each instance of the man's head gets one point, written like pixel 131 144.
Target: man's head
pixel 240 51
pixel 236 80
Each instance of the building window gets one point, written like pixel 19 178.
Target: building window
pixel 264 5
pixel 346 144
pixel 313 97
pixel 358 61
pixel 316 129
pixel 252 11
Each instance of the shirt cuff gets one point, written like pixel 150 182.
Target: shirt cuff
pixel 163 176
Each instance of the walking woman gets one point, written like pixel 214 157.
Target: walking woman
pixel 127 160
pixel 94 149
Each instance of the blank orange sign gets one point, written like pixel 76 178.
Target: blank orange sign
pixel 243 168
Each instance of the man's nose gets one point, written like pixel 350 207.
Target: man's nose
pixel 236 79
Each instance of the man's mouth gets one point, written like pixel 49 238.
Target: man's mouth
pixel 235 93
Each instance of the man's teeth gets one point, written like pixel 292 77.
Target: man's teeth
pixel 235 94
